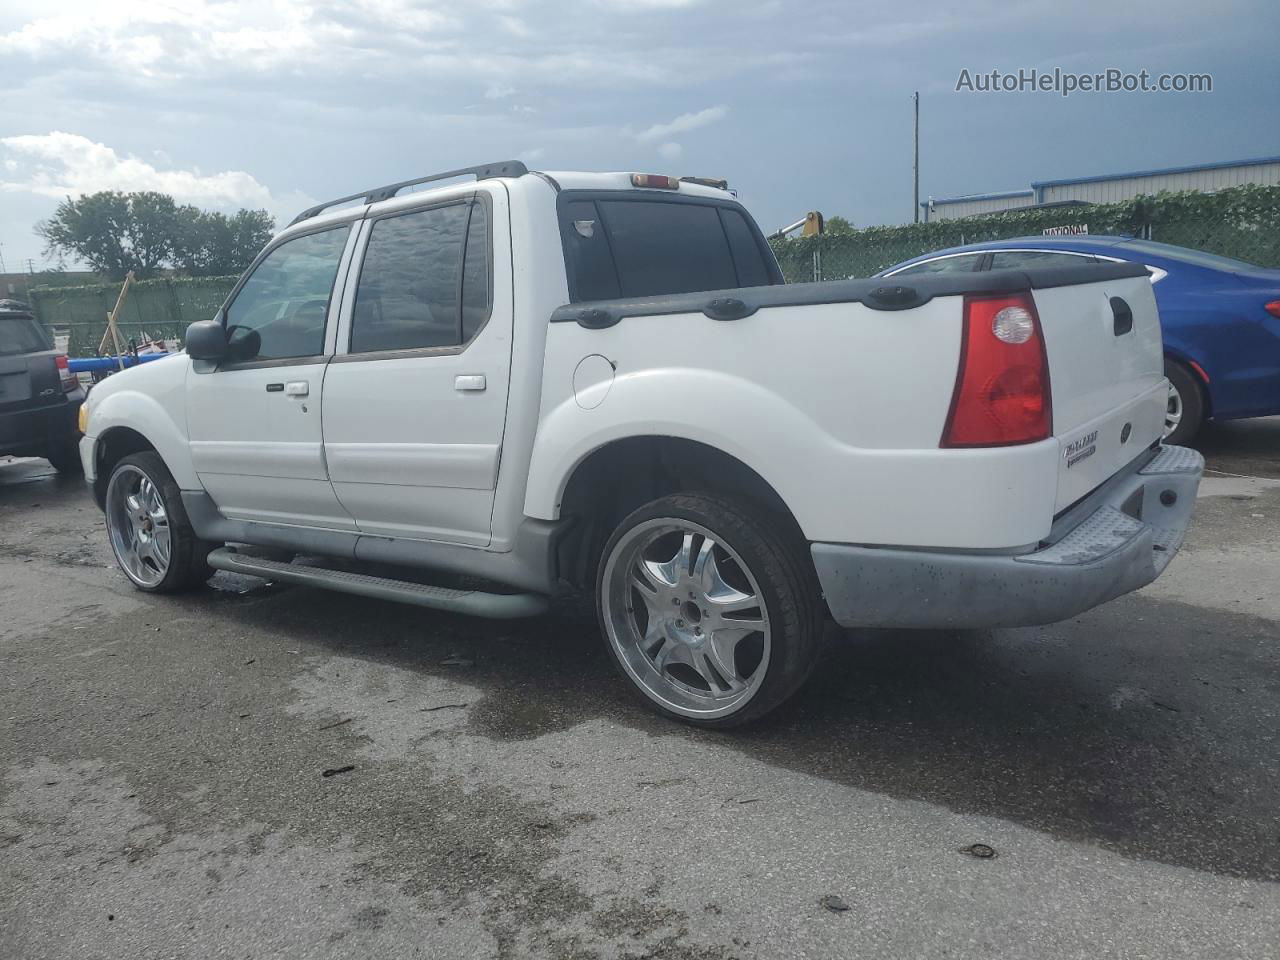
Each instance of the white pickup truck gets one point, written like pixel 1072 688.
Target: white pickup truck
pixel 553 381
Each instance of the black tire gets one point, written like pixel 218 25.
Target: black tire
pixel 776 558
pixel 1191 395
pixel 66 458
pixel 188 565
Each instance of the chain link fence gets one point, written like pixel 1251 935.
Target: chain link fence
pixel 1239 222
pixel 158 309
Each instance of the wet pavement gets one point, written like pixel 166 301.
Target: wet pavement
pixel 493 791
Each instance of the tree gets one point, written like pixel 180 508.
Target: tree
pixel 213 244
pixel 837 224
pixel 147 231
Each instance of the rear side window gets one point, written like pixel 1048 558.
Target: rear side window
pixel 641 248
pixel 1018 259
pixel 22 335
pixel 747 257
pixel 963 263
pixel 424 281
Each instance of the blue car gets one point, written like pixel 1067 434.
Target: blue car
pixel 1220 317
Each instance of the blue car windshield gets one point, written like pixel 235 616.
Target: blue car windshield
pixel 1198 258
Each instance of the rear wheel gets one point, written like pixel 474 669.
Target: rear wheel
pixel 1185 413
pixel 150 535
pixel 65 458
pixel 710 608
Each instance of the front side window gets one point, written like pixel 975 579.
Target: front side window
pixel 279 311
pixel 425 280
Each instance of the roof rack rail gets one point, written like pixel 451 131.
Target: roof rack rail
pixel 486 171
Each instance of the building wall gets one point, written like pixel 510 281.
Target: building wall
pixel 1110 189
pixel 1126 188
pixel 980 205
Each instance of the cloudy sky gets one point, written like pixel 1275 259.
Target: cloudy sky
pixel 271 103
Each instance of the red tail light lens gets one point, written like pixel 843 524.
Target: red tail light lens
pixel 1002 390
pixel 1273 308
pixel 69 381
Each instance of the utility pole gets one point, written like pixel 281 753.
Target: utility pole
pixel 915 166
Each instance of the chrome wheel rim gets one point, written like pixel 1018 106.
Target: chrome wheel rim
pixel 686 618
pixel 138 526
pixel 1173 412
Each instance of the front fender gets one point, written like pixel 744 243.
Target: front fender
pixel 731 414
pixel 150 400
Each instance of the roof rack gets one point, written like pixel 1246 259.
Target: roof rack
pixel 503 168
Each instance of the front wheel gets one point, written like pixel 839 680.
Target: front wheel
pixel 710 608
pixel 150 535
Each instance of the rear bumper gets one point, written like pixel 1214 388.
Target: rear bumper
pixel 1118 539
pixel 35 431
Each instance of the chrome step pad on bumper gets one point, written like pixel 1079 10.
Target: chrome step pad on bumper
pixel 496 606
pixel 1104 552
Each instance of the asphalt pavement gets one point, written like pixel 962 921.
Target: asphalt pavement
pixel 261 771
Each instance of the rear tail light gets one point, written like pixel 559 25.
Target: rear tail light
pixel 1273 308
pixel 69 380
pixel 654 181
pixel 1002 390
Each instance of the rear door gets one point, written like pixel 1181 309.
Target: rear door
pixel 415 402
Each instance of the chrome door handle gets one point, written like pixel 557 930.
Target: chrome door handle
pixel 469 382
pixel 297 388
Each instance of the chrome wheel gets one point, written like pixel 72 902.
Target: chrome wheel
pixel 138 526
pixel 686 618
pixel 1173 412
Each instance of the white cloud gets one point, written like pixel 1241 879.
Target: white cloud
pixel 683 124
pixel 499 91
pixel 670 151
pixel 61 164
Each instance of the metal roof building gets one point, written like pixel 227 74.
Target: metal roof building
pixel 1112 188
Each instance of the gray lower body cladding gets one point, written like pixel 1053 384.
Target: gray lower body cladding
pixel 529 565
pixel 1117 540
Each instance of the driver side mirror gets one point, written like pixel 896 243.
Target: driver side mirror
pixel 206 340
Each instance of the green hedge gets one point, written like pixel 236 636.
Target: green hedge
pixel 1241 222
pixel 160 308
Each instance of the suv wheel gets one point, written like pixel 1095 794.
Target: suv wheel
pixel 66 458
pixel 1185 413
pixel 150 535
pixel 710 610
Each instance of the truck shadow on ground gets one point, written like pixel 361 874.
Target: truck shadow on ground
pixel 1146 726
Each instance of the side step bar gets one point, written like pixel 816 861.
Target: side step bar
pixel 496 606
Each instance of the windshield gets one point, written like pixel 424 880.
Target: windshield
pixel 19 334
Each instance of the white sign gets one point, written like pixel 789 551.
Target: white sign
pixel 1068 231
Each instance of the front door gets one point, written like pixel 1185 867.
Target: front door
pixel 415 399
pixel 254 419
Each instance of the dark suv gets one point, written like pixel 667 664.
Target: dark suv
pixel 39 396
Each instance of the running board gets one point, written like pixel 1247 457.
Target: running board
pixel 496 606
